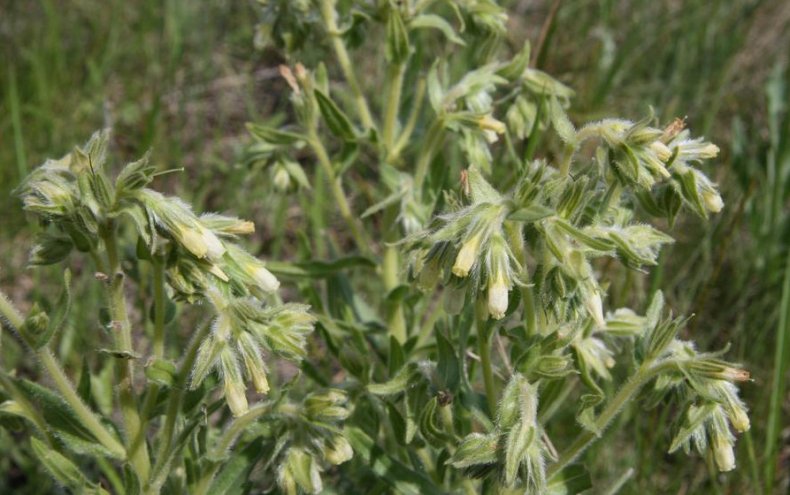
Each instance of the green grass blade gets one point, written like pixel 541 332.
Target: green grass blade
pixel 781 361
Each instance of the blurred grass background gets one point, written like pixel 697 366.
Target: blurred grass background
pixel 182 78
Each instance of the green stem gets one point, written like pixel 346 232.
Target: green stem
pixel 396 321
pixel 337 192
pixel 112 476
pixel 429 322
pixel 159 308
pixel 567 158
pixel 433 142
pixel 645 373
pixel 329 16
pixel 484 349
pixel 64 386
pixel 158 343
pixel 226 441
pixel 173 407
pixel 395 87
pixel 122 334
pixel 411 122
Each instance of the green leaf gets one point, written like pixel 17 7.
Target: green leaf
pixel 516 67
pixel 561 123
pixel 432 21
pixel 59 314
pixel 59 417
pixel 274 136
pixel 531 213
pixel 135 175
pixel 50 248
pixel 63 470
pixel 84 385
pixel 397 356
pixel 397 38
pixel 318 269
pixel 235 471
pixel 398 383
pixel 475 449
pixel 162 372
pixel 335 119
pixel 398 423
pixel 435 89
pixel 448 366
pixel 430 427
pixel 391 471
pixel 570 481
pixel 390 200
pixel 595 243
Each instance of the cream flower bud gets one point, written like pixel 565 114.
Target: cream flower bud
pixel 339 451
pixel 242 227
pixel 263 278
pixel 489 123
pixel 498 298
pixel 193 241
pixel 661 150
pixel 710 150
pixel 466 256
pixel 259 380
pixel 217 272
pixel 723 454
pixel 594 307
pixel 712 201
pixel 214 247
pixel 739 418
pixel 236 396
pixel 282 180
pixel 201 242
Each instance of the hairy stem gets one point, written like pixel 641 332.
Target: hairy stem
pixel 64 386
pixel 395 87
pixel 173 407
pixel 433 141
pixel 159 308
pixel 337 192
pixel 484 349
pixel 226 441
pixel 329 16
pixel 411 122
pixel 122 334
pixel 645 373
pixel 396 321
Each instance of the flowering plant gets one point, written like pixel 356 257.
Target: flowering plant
pixel 446 348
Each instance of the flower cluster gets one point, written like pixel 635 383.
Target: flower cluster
pixel 470 249
pixel 517 449
pixel 202 261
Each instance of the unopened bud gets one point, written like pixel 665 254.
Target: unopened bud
pixel 201 242
pixel 739 419
pixel 498 298
pixel 594 307
pixel 263 278
pixel 489 123
pixel 339 450
pixel 723 454
pixel 282 180
pixel 710 150
pixel 429 275
pixel 712 200
pixel 661 150
pixel 466 256
pixel 236 397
